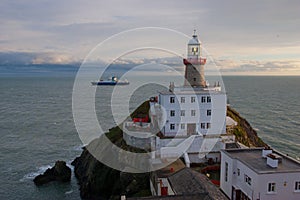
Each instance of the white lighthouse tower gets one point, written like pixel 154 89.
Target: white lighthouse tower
pixel 194 70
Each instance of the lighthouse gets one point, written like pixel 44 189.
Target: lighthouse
pixel 194 108
pixel 188 119
pixel 194 64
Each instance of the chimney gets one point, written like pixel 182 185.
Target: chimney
pixel 266 151
pixel 273 160
pixel 171 87
pixel 123 197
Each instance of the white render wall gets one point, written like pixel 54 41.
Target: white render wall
pixel 285 182
pixel 217 118
pixel 226 186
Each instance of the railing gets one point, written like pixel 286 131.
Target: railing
pixel 195 61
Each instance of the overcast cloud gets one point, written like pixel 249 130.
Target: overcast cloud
pixel 236 31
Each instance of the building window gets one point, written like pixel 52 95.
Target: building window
pixel 182 126
pixel 172 126
pixel 193 99
pixel 238 172
pixel 172 113
pixel 297 186
pixel 208 125
pixel 226 171
pixel 172 99
pixel 193 112
pixel 195 79
pixel 247 179
pixel 182 99
pixel 182 113
pixel 208 112
pixel 203 99
pixel 202 125
pixel 208 99
pixel 272 187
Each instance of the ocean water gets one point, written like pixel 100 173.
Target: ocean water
pixel 37 128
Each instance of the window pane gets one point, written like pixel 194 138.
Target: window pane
pixel 182 100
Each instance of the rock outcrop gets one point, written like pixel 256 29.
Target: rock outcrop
pixel 98 181
pixel 244 133
pixel 60 172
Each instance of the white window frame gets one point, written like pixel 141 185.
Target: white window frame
pixel 297 186
pixel 202 125
pixel 203 99
pixel 248 179
pixel 193 99
pixel 182 113
pixel 172 113
pixel 182 99
pixel 208 112
pixel 272 187
pixel 208 125
pixel 208 99
pixel 172 99
pixel 172 126
pixel 193 113
pixel 182 126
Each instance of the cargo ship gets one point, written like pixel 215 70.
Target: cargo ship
pixel 112 81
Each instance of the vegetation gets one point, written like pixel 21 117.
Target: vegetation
pixel 244 133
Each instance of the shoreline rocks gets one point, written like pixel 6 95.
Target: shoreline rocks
pixel 60 172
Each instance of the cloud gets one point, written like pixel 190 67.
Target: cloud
pixel 26 58
pixel 252 67
pixel 235 31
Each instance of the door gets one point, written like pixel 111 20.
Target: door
pixel 191 129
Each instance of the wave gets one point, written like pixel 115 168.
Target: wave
pixel 41 170
pixel 78 148
pixel 69 192
pixel 32 175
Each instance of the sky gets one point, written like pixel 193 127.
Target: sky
pixel 258 37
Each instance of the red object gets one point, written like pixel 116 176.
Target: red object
pixel 198 61
pixel 216 182
pixel 172 169
pixel 141 119
pixel 164 191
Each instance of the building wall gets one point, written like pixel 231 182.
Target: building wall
pixel 226 185
pixel 139 142
pixel 217 119
pixel 285 186
pixel 258 189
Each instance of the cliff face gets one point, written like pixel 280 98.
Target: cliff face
pixel 244 133
pixel 98 181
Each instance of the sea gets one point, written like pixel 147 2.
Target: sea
pixel 37 126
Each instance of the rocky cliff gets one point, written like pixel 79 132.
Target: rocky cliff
pixel 98 181
pixel 244 133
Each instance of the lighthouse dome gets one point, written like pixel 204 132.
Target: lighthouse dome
pixel 194 40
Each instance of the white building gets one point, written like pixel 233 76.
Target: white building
pixel 194 108
pixel 259 174
pixel 187 120
pixel 192 117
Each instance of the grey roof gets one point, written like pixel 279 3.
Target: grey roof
pixel 187 181
pixel 253 159
pixel 184 182
pixel 232 145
